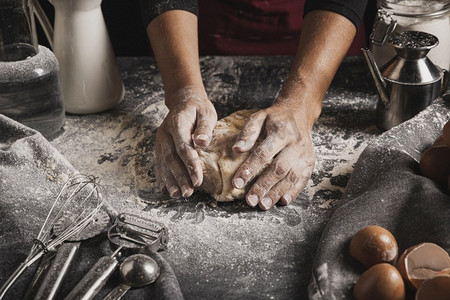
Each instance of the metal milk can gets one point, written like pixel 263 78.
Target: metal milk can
pixel 409 82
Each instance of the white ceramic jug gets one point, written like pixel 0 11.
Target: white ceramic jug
pixel 90 79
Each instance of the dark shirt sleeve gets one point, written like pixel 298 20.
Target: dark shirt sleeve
pixel 351 9
pixel 152 8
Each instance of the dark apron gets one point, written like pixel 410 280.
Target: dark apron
pixel 254 27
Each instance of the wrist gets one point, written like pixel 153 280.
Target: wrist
pixel 184 94
pixel 305 103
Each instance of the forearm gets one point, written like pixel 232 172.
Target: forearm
pixel 325 39
pixel 173 36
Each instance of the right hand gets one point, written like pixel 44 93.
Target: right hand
pixel 191 119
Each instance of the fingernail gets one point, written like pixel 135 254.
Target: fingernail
pixel 287 199
pixel 239 144
pixel 185 191
pixel 252 200
pixel 238 183
pixel 174 193
pixel 266 203
pixel 203 137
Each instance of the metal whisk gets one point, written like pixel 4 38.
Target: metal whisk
pixel 80 196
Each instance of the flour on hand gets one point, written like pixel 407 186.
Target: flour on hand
pixel 220 162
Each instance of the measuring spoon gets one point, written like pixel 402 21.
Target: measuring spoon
pixel 137 270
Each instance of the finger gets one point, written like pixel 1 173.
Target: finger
pixel 172 163
pixel 278 193
pixel 157 169
pixel 206 121
pixel 170 183
pixel 257 161
pixel 187 153
pixel 177 170
pixel 277 170
pixel 250 132
pixel 291 190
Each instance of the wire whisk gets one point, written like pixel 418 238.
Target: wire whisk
pixel 81 197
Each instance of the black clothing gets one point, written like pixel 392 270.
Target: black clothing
pixel 351 9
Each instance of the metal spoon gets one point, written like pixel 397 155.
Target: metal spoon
pixel 137 270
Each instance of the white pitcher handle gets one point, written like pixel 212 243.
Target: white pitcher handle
pixel 45 23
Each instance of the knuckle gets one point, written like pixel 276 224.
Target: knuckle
pixel 293 177
pixel 261 153
pixel 253 117
pixel 281 169
pixel 262 186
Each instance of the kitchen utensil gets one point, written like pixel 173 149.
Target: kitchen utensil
pixel 137 270
pixel 66 252
pixel 30 91
pixel 130 234
pixel 39 275
pixel 412 15
pixel 81 196
pixel 90 79
pixel 409 82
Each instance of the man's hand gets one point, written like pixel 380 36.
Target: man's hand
pixel 191 120
pixel 287 139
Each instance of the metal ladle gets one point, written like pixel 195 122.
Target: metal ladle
pixel 137 270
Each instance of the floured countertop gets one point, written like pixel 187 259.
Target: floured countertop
pixel 225 250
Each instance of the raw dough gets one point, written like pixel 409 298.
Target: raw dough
pixel 220 162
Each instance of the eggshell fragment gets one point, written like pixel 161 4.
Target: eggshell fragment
pixel 445 272
pixel 372 245
pixel 421 262
pixel 437 288
pixel 380 282
pixel 435 164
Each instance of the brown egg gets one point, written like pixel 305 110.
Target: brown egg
pixel 372 245
pixel 380 282
pixel 446 133
pixel 436 288
pixel 435 164
pixel 439 142
pixel 421 262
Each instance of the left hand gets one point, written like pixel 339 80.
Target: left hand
pixel 288 141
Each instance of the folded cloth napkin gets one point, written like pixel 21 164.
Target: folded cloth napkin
pixel 385 189
pixel 32 173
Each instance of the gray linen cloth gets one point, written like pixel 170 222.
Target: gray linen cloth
pixel 32 173
pixel 385 189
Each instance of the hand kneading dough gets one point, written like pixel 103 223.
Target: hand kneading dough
pixel 220 162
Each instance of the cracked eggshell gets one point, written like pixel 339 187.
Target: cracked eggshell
pixel 421 262
pixel 380 282
pixel 437 287
pixel 373 245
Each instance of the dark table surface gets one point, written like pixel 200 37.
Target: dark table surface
pixel 226 250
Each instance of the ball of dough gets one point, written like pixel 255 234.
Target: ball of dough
pixel 220 162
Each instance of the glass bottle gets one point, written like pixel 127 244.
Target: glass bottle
pixel 431 16
pixel 30 90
